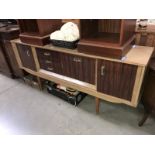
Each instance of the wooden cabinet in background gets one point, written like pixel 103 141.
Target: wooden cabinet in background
pixel 25 53
pixel 4 67
pixel 148 96
pixel 116 79
pixel 8 62
pixel 12 59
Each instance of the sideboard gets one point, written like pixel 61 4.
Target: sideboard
pixel 114 80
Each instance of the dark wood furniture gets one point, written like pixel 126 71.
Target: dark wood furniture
pixel 148 97
pixel 37 31
pixel 25 53
pixel 77 67
pixel 4 67
pixel 49 61
pixel 8 62
pixel 117 81
pixel 106 37
pixel 145 38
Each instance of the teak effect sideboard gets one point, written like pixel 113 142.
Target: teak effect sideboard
pixel 114 80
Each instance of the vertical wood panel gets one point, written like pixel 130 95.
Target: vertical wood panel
pixel 118 79
pixel 11 58
pixel 26 56
pixel 84 70
pixel 110 25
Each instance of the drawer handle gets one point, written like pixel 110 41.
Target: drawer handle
pixel 48 61
pixel 28 53
pixel 77 60
pixel 102 70
pixel 50 68
pixel 47 54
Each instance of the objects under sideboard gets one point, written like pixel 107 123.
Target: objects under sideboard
pixel 114 80
pixel 8 63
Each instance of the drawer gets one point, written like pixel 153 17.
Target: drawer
pixel 43 54
pixel 26 56
pixel 78 67
pixel 48 68
pixel 44 64
pixel 49 60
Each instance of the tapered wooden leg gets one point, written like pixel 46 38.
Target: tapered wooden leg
pixel 40 84
pixel 146 115
pixel 97 101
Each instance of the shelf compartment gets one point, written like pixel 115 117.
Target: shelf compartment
pixel 106 37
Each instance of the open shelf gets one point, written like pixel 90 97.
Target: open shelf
pixel 104 30
pixel 57 77
pixel 103 38
pixel 28 25
pixel 37 31
pixel 106 37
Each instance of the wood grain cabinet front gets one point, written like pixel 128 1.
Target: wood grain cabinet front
pixel 4 67
pixel 12 59
pixel 26 56
pixel 78 67
pixel 116 79
pixel 49 60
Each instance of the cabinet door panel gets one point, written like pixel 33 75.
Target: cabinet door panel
pixel 12 59
pixel 26 56
pixel 80 68
pixel 4 67
pixel 116 79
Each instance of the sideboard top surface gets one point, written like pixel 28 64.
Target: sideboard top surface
pixel 138 55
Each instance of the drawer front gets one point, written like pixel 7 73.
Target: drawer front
pixel 116 79
pixel 26 56
pixel 80 68
pixel 49 60
pixel 44 54
pixel 46 64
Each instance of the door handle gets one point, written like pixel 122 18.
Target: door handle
pixel 48 61
pixel 47 54
pixel 77 59
pixel 28 53
pixel 102 70
pixel 50 68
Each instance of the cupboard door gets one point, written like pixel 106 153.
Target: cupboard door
pixel 116 79
pixel 80 68
pixel 49 60
pixel 12 59
pixel 26 56
pixel 4 67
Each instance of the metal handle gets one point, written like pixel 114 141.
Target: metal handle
pixel 28 53
pixel 77 59
pixel 102 70
pixel 48 61
pixel 47 54
pixel 49 68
